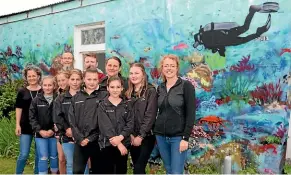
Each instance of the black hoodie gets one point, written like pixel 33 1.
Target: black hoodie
pixel 83 115
pixel 41 114
pixel 114 121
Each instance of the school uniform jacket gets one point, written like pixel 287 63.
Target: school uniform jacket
pixel 145 111
pixel 83 115
pixel 114 121
pixel 41 115
pixel 61 109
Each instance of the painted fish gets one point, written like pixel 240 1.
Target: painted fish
pixel 180 46
pixel 115 37
pixel 288 50
pixel 147 49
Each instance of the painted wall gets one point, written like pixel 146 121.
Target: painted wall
pixel 241 79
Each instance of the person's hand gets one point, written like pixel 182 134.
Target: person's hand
pixel 18 130
pixel 137 141
pixel 131 139
pixel 43 133
pixel 183 146
pixel 69 132
pixel 50 133
pixel 85 142
pixel 116 140
pixel 122 149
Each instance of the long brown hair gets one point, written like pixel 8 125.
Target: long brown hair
pixel 172 57
pixel 144 83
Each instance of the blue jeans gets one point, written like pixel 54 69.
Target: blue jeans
pixel 172 158
pixel 155 153
pixel 68 149
pixel 47 148
pixel 25 143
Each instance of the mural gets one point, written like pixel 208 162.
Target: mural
pixel 241 72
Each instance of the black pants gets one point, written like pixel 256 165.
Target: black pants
pixel 141 154
pixel 81 156
pixel 112 161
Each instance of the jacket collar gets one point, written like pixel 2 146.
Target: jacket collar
pixel 67 94
pixel 108 103
pixel 179 81
pixel 41 96
pixel 93 93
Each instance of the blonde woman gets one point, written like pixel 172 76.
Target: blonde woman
pixel 176 102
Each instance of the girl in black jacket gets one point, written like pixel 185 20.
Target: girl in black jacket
pixel 41 120
pixel 116 125
pixel 84 123
pixel 61 108
pixel 143 98
pixel 62 79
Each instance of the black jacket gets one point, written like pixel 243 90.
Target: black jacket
pixel 177 110
pixel 41 115
pixel 103 83
pixel 83 115
pixel 114 121
pixel 145 111
pixel 61 109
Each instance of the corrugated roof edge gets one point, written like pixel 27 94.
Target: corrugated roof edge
pixel 10 14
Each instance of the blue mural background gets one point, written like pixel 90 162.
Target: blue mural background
pixel 242 97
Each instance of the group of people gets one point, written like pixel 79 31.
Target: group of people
pixel 91 120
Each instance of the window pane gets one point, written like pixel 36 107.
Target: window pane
pixel 93 36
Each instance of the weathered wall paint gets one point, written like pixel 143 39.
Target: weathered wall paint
pixel 241 91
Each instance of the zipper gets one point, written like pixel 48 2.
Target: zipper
pixel 104 142
pixel 168 92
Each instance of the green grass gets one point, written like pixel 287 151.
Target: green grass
pixel 7 166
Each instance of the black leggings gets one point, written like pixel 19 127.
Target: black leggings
pixel 141 154
pixel 81 156
pixel 112 161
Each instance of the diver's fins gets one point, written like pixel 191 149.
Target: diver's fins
pixel 265 27
pixel 267 7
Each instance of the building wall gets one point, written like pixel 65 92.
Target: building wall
pixel 241 92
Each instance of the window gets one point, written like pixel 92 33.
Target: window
pixel 89 38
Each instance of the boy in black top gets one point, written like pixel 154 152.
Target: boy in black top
pixel 84 123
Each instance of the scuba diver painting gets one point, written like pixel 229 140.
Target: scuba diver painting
pixel 216 36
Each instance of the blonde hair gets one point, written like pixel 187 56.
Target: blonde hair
pixel 50 77
pixel 76 71
pixel 66 74
pixel 144 83
pixel 172 57
pixel 33 68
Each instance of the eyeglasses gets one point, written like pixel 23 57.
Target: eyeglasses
pixel 169 66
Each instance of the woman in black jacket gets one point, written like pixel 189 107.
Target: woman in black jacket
pixel 84 123
pixel 176 102
pixel 41 120
pixel 143 98
pixel 116 125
